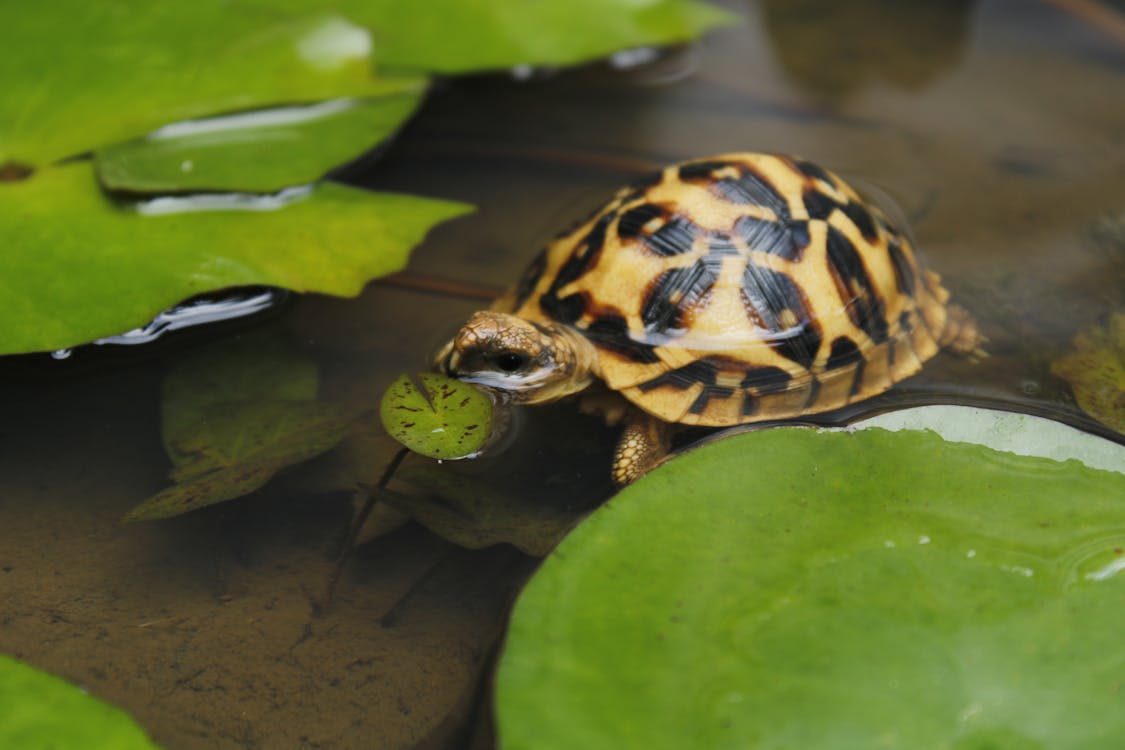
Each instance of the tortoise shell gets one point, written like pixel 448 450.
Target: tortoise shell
pixel 739 288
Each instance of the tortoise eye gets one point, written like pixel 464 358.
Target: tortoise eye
pixel 509 361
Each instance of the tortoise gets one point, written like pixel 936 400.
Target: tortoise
pixel 720 291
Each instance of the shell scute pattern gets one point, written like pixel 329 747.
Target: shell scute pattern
pixel 739 288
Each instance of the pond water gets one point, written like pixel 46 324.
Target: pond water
pixel 998 128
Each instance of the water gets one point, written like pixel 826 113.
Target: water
pixel 994 125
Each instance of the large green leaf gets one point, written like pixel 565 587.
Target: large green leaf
pixel 796 588
pixel 80 267
pixel 41 712
pixel 459 36
pixel 261 151
pixel 81 75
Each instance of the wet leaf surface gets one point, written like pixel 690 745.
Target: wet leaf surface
pixel 42 712
pixel 81 76
pixel 1095 370
pixel 235 415
pixel 80 267
pixel 459 37
pixel 437 416
pixel 262 151
pixel 845 589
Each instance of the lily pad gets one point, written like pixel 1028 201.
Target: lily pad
pixel 260 151
pixel 42 712
pixel 1095 371
pixel 454 36
pixel 437 416
pixel 795 587
pixel 80 267
pixel 233 416
pixel 79 76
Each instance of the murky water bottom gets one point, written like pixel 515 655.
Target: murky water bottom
pixel 989 123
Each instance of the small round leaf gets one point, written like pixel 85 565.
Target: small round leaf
pixel 437 416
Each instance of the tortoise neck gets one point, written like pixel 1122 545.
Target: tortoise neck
pixel 575 361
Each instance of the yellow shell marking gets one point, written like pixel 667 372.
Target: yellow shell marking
pixel 739 288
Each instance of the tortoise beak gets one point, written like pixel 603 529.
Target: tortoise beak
pixel 446 360
pixel 450 362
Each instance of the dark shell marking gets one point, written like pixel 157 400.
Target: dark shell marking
pixel 829 291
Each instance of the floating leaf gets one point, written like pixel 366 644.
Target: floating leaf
pixel 233 416
pixel 454 36
pixel 261 151
pixel 437 416
pixel 78 267
pixel 78 76
pixel 802 588
pixel 42 712
pixel 81 76
pixel 1095 371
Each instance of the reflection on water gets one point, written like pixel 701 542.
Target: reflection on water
pixel 991 124
pixel 835 49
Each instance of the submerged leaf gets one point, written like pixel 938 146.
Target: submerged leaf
pixel 260 367
pixel 42 712
pixel 1095 371
pixel 78 267
pixel 550 469
pixel 233 416
pixel 437 416
pixel 261 151
pixel 236 448
pixel 473 512
pixel 806 588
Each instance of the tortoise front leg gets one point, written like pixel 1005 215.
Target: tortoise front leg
pixel 643 444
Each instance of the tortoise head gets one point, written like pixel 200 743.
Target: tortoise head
pixel 532 362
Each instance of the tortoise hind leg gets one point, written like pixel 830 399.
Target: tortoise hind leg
pixel 643 444
pixel 961 334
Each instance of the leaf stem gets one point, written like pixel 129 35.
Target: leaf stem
pixel 372 493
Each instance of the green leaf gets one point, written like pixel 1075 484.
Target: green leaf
pixel 261 151
pixel 236 448
pixel 1095 371
pixel 460 36
pixel 437 416
pixel 793 587
pixel 41 712
pixel 79 267
pixel 79 76
pixel 474 512
pixel 233 416
pixel 260 367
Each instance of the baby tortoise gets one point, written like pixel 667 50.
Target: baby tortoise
pixel 733 289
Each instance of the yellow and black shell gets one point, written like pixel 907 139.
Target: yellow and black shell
pixel 739 288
